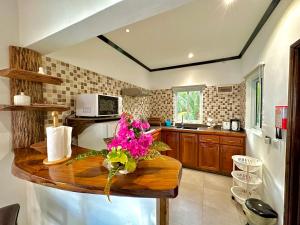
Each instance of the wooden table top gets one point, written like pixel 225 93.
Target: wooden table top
pixel 159 178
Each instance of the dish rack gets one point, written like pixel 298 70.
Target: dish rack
pixel 247 179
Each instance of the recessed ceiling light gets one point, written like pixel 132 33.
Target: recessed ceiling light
pixel 127 30
pixel 229 2
pixel 191 55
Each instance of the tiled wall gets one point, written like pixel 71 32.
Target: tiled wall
pixel 224 106
pixel 220 107
pixel 243 102
pixel 77 80
pixel 162 103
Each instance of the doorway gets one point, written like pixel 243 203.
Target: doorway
pixel 292 180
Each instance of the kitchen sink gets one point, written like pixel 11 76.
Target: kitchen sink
pixel 194 126
pixel 190 128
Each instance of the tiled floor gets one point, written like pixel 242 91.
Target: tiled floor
pixel 205 199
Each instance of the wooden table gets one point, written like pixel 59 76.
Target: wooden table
pixel 159 178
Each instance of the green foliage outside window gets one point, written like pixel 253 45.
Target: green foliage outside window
pixel 188 105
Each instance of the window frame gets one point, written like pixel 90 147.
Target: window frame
pixel 188 89
pixel 255 78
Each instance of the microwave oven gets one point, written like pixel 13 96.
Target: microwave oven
pixel 96 105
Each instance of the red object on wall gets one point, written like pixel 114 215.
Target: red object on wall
pixel 281 117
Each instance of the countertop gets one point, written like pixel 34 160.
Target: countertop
pixel 158 178
pixel 202 130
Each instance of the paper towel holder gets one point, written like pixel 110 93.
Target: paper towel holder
pixel 55 118
pixel 54 115
pixel 55 162
pixel 46 162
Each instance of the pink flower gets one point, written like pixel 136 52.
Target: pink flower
pixel 137 124
pixel 145 126
pixel 131 137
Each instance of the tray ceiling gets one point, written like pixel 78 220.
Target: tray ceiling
pixel 209 29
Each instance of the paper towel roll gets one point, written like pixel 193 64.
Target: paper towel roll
pixel 59 142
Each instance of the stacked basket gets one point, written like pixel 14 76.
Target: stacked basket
pixel 247 179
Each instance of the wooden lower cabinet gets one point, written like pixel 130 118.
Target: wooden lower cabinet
pixel 209 156
pixel 209 152
pixel 227 152
pixel 189 150
pixel 171 138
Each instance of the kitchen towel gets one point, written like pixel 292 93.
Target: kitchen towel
pixel 59 142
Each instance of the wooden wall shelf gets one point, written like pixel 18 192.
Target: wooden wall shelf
pixel 79 124
pixel 36 107
pixel 30 76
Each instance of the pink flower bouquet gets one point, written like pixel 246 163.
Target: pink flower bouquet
pixel 130 145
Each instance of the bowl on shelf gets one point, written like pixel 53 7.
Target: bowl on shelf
pixel 246 180
pixel 241 195
pixel 246 162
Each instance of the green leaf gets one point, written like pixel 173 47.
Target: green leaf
pixel 159 146
pixel 152 154
pixel 117 155
pixel 91 153
pixel 130 166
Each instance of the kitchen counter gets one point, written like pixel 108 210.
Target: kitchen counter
pixel 157 178
pixel 201 130
pixel 147 189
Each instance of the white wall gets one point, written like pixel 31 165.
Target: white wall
pixel 41 18
pixel 210 74
pixel 99 57
pixel 49 206
pixel 11 189
pixel 271 46
pixel 47 26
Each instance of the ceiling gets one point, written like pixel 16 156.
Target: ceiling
pixel 209 29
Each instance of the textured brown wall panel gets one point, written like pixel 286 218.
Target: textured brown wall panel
pixel 27 126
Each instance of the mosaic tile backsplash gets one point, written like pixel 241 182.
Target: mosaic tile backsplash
pixel 218 106
pixel 162 103
pixel 224 106
pixel 76 80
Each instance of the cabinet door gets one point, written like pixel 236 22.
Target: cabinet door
pixel 189 150
pixel 227 152
pixel 209 138
pixel 171 139
pixel 209 156
pixel 238 141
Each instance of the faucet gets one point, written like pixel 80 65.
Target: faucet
pixel 182 124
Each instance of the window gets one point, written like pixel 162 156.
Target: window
pixel 257 102
pixel 255 95
pixel 188 104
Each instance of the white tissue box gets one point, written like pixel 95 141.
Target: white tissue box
pixel 21 99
